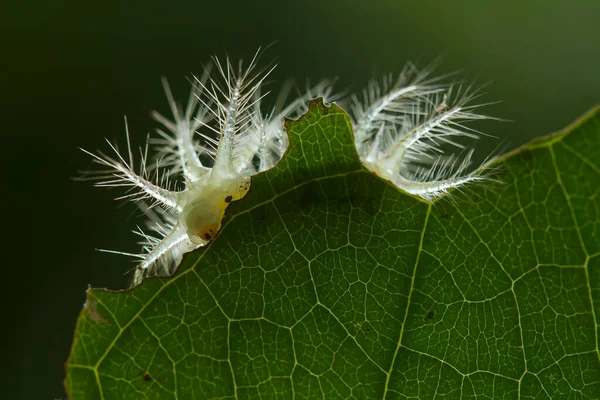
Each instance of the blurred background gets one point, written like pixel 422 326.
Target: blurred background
pixel 70 70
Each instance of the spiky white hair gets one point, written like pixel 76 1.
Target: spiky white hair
pixel 404 128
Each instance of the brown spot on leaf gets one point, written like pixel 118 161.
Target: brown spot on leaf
pixel 91 306
pixel 527 155
pixel 429 316
pixel 291 272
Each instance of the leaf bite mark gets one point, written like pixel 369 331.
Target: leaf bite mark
pixel 315 106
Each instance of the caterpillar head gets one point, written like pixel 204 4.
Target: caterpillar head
pixel 203 213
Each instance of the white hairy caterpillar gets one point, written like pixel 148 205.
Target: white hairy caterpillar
pixel 222 138
pixel 403 127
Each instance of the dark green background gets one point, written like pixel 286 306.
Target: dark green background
pixel 70 70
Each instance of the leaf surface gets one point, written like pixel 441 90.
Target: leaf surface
pixel 328 282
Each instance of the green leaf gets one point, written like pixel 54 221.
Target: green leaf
pixel 328 282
